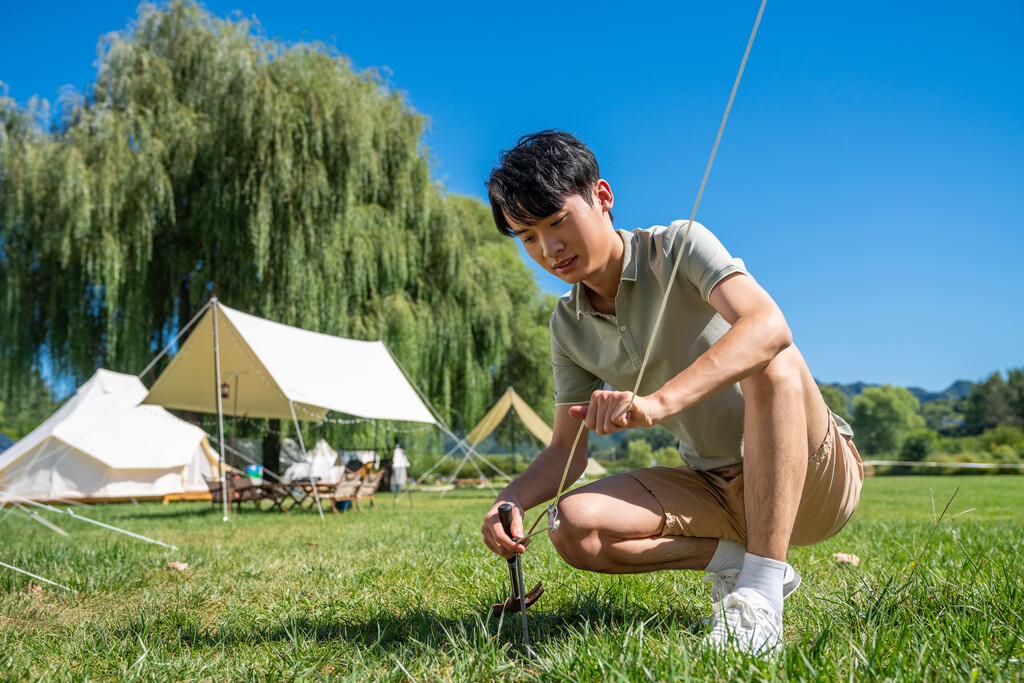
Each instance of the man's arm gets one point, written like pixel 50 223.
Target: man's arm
pixel 538 483
pixel 757 335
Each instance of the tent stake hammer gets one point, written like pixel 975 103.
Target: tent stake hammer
pixel 515 569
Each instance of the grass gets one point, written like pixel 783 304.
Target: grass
pixel 403 593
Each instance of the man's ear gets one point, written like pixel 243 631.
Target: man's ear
pixel 603 195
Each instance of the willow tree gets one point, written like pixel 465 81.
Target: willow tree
pixel 207 159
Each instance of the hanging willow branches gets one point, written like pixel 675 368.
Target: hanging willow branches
pixel 208 159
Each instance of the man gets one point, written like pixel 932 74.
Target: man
pixel 766 464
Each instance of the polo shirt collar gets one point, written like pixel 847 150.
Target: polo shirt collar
pixel 582 301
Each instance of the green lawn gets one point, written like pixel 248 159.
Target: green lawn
pixel 403 593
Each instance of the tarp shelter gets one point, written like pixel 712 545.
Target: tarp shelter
pixel 595 470
pixel 268 369
pixel 103 445
pixel 5 442
pixel 238 364
pixel 510 400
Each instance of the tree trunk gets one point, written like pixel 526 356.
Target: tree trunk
pixel 272 448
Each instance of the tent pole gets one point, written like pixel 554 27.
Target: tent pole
pixel 316 496
pixel 220 411
pixel 234 415
pixel 512 432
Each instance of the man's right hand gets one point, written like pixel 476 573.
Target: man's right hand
pixel 494 535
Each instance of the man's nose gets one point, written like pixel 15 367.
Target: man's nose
pixel 550 245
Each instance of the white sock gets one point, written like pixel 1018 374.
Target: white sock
pixel 765 577
pixel 728 555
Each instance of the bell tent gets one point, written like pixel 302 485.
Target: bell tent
pixel 102 445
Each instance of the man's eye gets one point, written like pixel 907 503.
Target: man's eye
pixel 527 240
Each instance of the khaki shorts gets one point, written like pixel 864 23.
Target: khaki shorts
pixel 710 504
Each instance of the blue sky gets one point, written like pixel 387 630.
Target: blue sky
pixel 871 175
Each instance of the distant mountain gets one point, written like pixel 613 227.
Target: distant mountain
pixel 957 389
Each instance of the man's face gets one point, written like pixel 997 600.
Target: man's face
pixel 574 243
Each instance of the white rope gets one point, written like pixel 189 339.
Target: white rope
pixel 73 515
pixel 302 446
pixel 175 340
pixel 36 517
pixel 34 576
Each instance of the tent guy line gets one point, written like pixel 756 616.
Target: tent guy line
pixel 73 515
pixel 34 576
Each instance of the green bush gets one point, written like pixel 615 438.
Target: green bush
pixel 918 445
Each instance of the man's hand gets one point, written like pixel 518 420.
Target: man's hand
pixel 609 412
pixel 494 536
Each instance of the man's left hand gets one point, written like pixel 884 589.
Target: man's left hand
pixel 609 411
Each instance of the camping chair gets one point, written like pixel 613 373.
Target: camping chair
pixel 367 488
pixel 240 490
pixel 346 489
pixel 216 492
pixel 243 489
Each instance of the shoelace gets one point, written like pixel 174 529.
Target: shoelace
pixel 747 613
pixel 722 583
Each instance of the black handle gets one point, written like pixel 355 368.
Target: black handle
pixel 505 515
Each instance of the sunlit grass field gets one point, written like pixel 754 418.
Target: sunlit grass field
pixel 402 593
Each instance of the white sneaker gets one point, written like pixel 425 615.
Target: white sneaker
pixel 724 582
pixel 744 621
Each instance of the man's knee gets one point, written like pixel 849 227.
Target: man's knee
pixel 577 539
pixel 782 376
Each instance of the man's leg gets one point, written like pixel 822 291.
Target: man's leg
pixel 785 420
pixel 614 526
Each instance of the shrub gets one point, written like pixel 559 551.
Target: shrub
pixel 918 445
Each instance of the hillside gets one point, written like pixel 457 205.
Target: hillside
pixel 957 389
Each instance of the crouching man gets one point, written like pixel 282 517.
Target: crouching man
pixel 765 465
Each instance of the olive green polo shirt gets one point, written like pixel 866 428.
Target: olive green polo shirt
pixel 590 349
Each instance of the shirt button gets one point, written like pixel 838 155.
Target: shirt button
pixel 622 329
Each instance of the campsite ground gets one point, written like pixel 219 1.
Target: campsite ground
pixel 402 593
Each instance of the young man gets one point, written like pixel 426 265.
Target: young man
pixel 765 463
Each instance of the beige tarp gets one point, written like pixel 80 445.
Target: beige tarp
pixel 595 470
pixel 267 369
pixel 530 419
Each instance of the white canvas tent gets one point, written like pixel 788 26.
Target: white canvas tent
pixel 320 462
pixel 103 445
pixel 242 365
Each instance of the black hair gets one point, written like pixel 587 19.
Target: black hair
pixel 533 179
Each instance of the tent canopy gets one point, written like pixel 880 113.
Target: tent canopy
pixel 595 470
pixel 269 368
pixel 102 443
pixel 509 400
